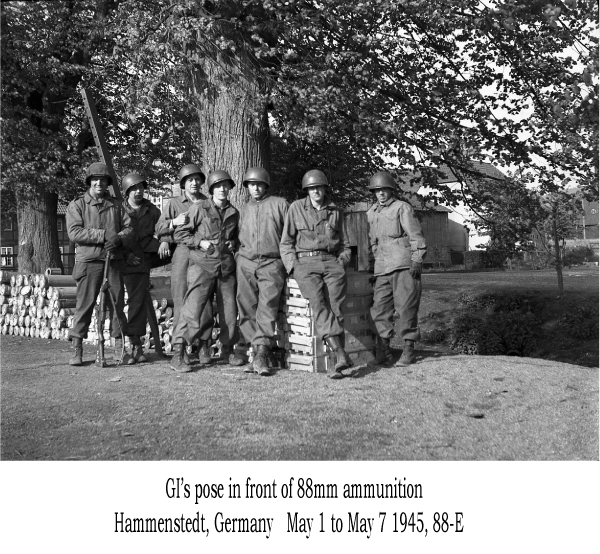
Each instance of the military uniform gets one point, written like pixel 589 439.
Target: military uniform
pixel 396 241
pixel 214 269
pixel 137 277
pixel 89 221
pixel 314 246
pixel 260 271
pixel 181 266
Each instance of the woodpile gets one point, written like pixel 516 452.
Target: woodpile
pixel 43 306
pixel 37 305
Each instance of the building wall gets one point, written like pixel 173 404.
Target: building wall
pixel 9 239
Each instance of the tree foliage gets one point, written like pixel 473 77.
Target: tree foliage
pixel 347 87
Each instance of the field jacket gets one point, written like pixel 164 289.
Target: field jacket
pixel 89 219
pixel 144 221
pixel 395 236
pixel 307 229
pixel 261 227
pixel 206 223
pixel 176 206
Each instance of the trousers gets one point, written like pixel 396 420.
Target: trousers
pixel 207 281
pixel 89 277
pixel 260 283
pixel 182 272
pixel 322 281
pixel 397 290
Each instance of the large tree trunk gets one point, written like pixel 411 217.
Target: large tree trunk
pixel 234 126
pixel 38 235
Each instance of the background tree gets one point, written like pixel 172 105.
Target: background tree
pixel 46 47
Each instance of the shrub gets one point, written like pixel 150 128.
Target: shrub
pixel 582 323
pixel 506 326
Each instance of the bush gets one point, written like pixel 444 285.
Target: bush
pixel 578 255
pixel 506 326
pixel 582 323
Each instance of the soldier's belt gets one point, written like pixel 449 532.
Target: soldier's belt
pixel 314 253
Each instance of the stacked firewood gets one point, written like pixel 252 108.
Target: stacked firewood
pixel 38 305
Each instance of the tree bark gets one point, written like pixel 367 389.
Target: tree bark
pixel 38 235
pixel 234 127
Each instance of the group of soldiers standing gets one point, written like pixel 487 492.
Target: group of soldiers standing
pixel 243 258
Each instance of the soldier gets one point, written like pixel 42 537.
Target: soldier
pixel 211 237
pixel 398 248
pixel 314 246
pixel 98 223
pixel 260 271
pixel 139 259
pixel 174 216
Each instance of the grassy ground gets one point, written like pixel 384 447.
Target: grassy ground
pixel 444 407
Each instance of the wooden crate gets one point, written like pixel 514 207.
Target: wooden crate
pixel 321 364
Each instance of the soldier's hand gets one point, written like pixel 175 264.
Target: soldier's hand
pixel 112 240
pixel 206 245
pixel 132 259
pixel 415 270
pixel 230 245
pixel 181 219
pixel 164 250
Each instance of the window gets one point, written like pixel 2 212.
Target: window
pixel 59 225
pixel 7 256
pixel 7 224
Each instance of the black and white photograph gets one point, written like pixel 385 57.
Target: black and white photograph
pixel 295 273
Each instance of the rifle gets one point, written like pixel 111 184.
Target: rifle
pixel 100 360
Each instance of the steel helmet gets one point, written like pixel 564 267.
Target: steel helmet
pixel 314 178
pixel 190 169
pixel 130 180
pixel 218 176
pixel 97 169
pixel 382 180
pixel 257 174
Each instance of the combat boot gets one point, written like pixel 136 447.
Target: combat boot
pixel 383 354
pixel 137 350
pixel 342 361
pixel 77 357
pixel 261 360
pixel 228 355
pixel 408 354
pixel 204 356
pixel 121 356
pixel 177 361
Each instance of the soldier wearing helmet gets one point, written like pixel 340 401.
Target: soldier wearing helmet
pixel 211 235
pixel 397 250
pixel 97 223
pixel 260 271
pixel 139 259
pixel 175 214
pixel 314 247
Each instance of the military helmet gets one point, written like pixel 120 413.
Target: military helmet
pixel 257 174
pixel 382 180
pixel 314 178
pixel 97 169
pixel 218 176
pixel 130 180
pixel 190 169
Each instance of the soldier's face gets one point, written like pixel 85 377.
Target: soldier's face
pixel 136 193
pixel 257 189
pixel 98 186
pixel 383 195
pixel 220 191
pixel 317 194
pixel 192 183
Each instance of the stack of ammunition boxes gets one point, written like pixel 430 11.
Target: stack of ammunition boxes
pixel 307 352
